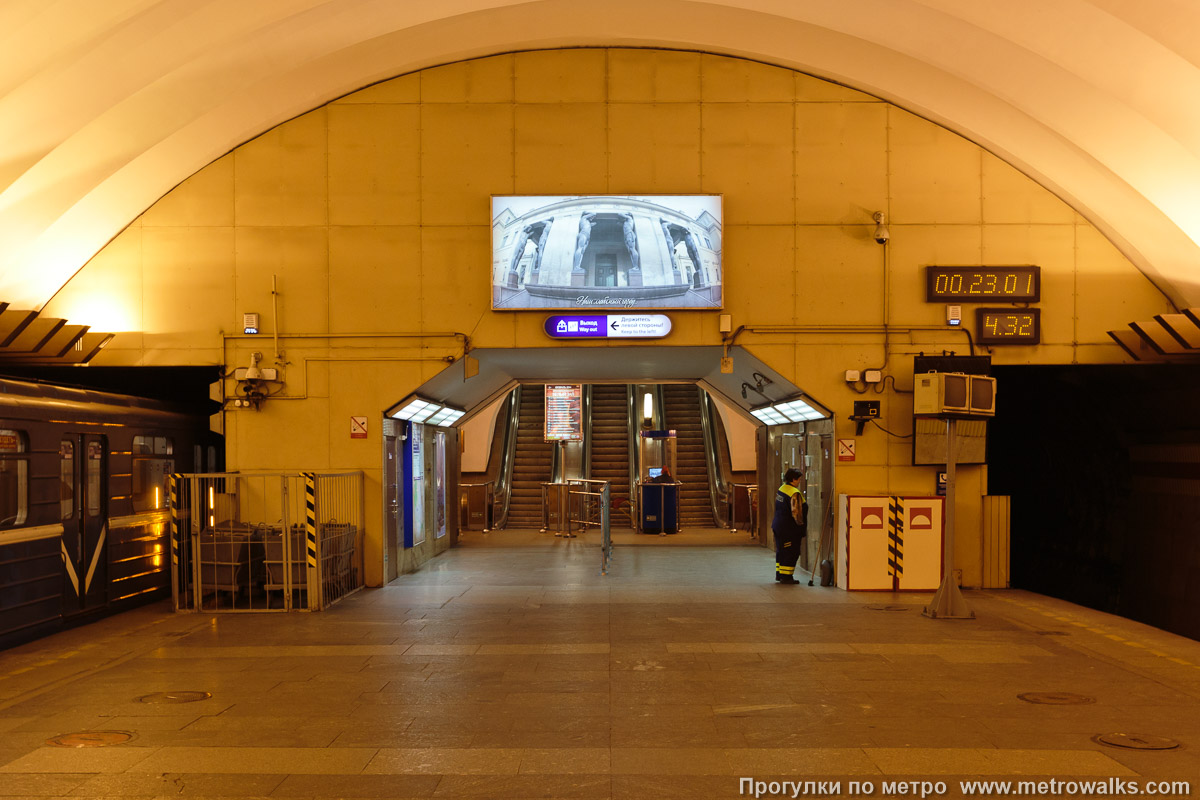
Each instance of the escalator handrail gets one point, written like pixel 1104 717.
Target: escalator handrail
pixel 503 491
pixel 720 487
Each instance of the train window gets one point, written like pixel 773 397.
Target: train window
pixel 66 479
pixel 151 472
pixel 95 477
pixel 153 446
pixel 14 478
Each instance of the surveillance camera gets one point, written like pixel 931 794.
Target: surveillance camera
pixel 881 232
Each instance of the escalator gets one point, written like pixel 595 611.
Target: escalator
pixel 531 464
pixel 609 444
pixel 681 407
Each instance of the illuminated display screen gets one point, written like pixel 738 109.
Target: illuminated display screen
pixel 607 253
pixel 1019 284
pixel 564 413
pixel 1008 325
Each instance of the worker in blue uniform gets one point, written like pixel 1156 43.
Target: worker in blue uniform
pixel 789 526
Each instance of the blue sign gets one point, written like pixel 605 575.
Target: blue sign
pixel 577 327
pixel 609 326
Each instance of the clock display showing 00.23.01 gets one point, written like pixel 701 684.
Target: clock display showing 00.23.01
pixel 981 284
pixel 1008 325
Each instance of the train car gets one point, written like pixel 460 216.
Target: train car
pixel 84 511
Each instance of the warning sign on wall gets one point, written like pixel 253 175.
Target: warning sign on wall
pixel 358 427
pixel 845 449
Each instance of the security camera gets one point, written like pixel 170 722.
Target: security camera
pixel 881 232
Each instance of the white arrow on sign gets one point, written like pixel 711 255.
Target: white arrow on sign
pixel 639 326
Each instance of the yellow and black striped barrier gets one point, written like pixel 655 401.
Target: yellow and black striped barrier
pixel 896 536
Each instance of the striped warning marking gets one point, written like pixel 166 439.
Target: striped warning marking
pixel 175 479
pixel 310 519
pixel 896 536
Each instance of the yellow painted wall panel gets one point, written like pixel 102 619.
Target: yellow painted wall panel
pixel 731 80
pixel 654 148
pixel 841 162
pixel 935 174
pixel 748 156
pixel 455 286
pixel 761 280
pixel 187 283
pixel 561 76
pixel 1009 196
pixel 280 178
pixel 374 279
pixel 466 157
pixel 662 76
pixel 298 256
pixel 256 441
pixel 374 165
pixel 483 80
pixel 561 148
pixel 205 199
pixel 404 89
pixel 841 276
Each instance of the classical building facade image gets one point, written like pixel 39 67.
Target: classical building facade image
pixel 604 252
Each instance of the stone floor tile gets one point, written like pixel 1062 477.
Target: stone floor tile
pixel 991 761
pixel 671 761
pixel 524 787
pixel 260 760
pixel 70 760
pixel 445 761
pixel 178 785
pixel 381 786
pixel 31 784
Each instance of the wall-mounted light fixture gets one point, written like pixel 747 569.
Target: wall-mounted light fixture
pixel 785 412
pixel 426 412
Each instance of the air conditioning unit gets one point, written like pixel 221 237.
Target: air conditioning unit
pixel 954 394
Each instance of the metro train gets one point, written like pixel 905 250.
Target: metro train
pixel 84 506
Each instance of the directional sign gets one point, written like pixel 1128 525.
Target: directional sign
pixel 610 326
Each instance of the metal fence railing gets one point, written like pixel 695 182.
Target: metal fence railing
pixel 588 506
pixel 265 542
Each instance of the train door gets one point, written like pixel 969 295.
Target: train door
pixel 83 502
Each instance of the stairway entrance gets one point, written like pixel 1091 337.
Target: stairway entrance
pixel 532 460
pixel 681 413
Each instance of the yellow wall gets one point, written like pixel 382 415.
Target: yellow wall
pixel 373 213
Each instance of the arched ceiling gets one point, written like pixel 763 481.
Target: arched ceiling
pixel 105 106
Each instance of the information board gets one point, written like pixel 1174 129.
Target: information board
pixel 564 412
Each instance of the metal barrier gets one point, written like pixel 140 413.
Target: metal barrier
pixel 588 506
pixel 265 542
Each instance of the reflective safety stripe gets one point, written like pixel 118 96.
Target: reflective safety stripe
pixel 95 558
pixel 782 570
pixel 70 568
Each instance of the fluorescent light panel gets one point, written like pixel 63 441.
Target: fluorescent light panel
pixel 797 410
pixel 418 410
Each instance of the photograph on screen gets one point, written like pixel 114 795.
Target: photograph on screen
pixel 606 252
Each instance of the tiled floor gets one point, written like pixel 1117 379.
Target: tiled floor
pixel 510 667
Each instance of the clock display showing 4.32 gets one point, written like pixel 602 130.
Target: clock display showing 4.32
pixel 1008 325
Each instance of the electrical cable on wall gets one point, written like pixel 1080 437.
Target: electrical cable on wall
pixel 890 433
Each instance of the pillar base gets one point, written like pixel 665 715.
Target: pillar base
pixel 948 603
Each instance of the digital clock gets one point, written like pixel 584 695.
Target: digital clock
pixel 1008 325
pixel 1018 284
